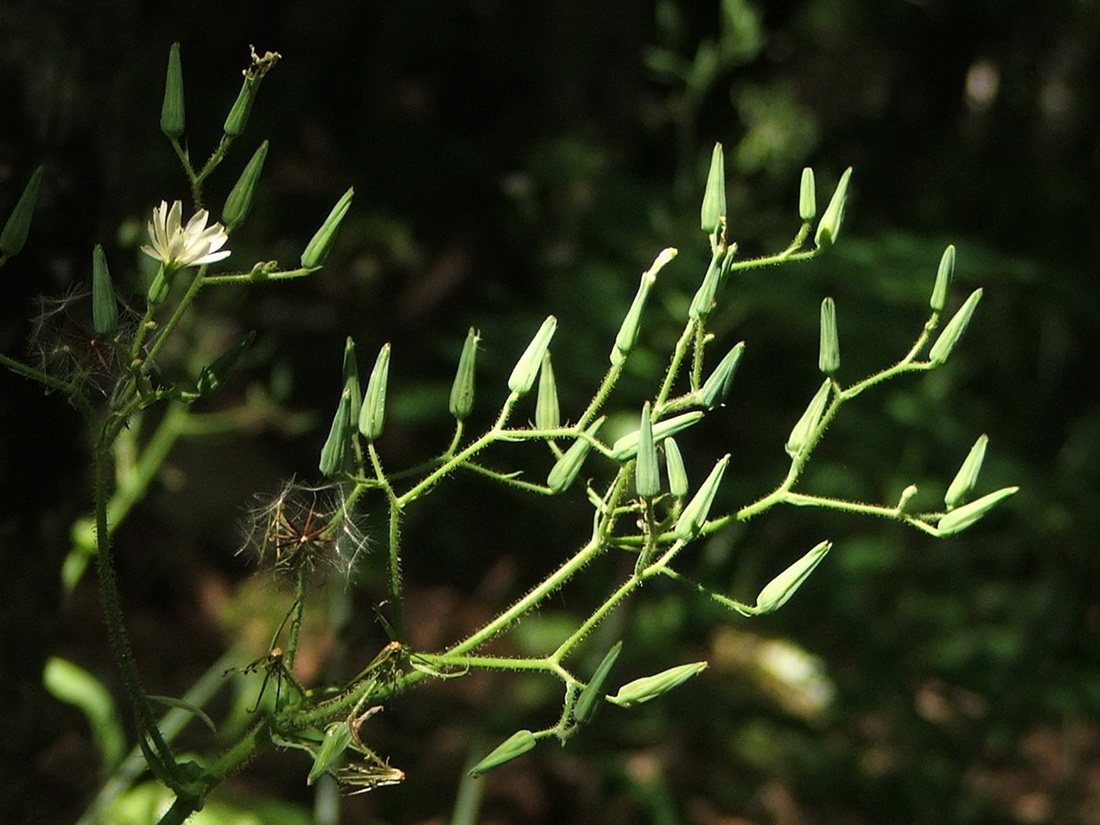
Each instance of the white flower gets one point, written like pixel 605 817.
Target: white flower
pixel 177 246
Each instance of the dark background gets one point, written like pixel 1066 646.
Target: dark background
pixel 513 160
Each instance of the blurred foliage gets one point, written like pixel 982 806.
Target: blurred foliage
pixel 516 159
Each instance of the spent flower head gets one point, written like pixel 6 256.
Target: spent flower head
pixel 178 246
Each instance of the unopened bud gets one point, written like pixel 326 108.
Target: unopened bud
pixel 318 248
pixel 674 466
pixel 650 687
pixel 807 196
pixel 527 367
pixel 647 476
pixel 515 745
pixel 239 202
pixel 804 431
pixel 18 226
pixel 628 331
pixel 828 359
pixel 351 378
pixel 962 517
pixel 695 512
pixel 943 280
pixel 213 376
pixel 714 198
pixel 953 331
pixel 967 476
pixel 332 454
pixel 590 695
pixel 829 227
pixel 704 300
pixel 717 386
pixel 104 302
pixel 568 466
pixel 626 447
pixel 171 110
pixel 547 411
pixel 373 413
pixel 462 391
pixel 776 592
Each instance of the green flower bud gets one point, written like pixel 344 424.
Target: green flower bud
pixel 807 196
pixel 462 391
pixel 239 202
pixel 694 514
pixel 906 495
pixel 351 378
pixel 674 466
pixel 714 199
pixel 171 111
pixel 318 248
pixel 373 413
pixel 213 376
pixel 962 517
pixel 159 287
pixel 953 331
pixel 242 107
pixel 335 742
pixel 650 687
pixel 18 226
pixel 627 447
pixel 717 386
pixel 829 227
pixel 776 592
pixel 943 279
pixel 703 302
pixel 967 476
pixel 647 476
pixel 527 367
pixel 515 745
pixel 804 430
pixel 590 695
pixel 828 359
pixel 568 467
pixel 104 303
pixel 332 454
pixel 547 412
pixel 628 331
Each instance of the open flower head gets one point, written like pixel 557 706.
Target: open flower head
pixel 178 246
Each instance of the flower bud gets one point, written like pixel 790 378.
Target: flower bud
pixel 828 359
pixel 704 300
pixel 674 466
pixel 239 202
pixel 776 592
pixel 104 303
pixel 527 367
pixel 171 110
pixel 332 454
pixel 714 198
pixel 462 391
pixel 807 196
pixel 318 248
pixel 954 330
pixel 590 695
pixel 804 430
pixel 351 378
pixel 829 227
pixel 647 476
pixel 717 386
pixel 962 517
pixel 18 226
pixel 943 279
pixel 242 107
pixel 967 475
pixel 694 514
pixel 650 687
pixel 515 745
pixel 373 413
pixel 214 375
pixel 568 467
pixel 547 412
pixel 336 740
pixel 626 447
pixel 158 288
pixel 628 331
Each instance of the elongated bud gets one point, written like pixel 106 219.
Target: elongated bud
pixel 717 386
pixel 695 512
pixel 650 687
pixel 807 196
pixel 336 740
pixel 104 303
pixel 18 226
pixel 568 467
pixel 237 118
pixel 962 517
pixel 462 391
pixel 515 745
pixel 804 430
pixel 628 331
pixel 171 110
pixel 547 411
pixel 829 227
pixel 318 248
pixel 239 202
pixel 351 378
pixel 527 367
pixel 373 413
pixel 943 279
pixel 703 302
pixel 714 198
pixel 674 466
pixel 647 475
pixel 159 287
pixel 590 695
pixel 213 376
pixel 332 454
pixel 627 447
pixel 828 359
pixel 967 476
pixel 906 495
pixel 776 592
pixel 953 331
